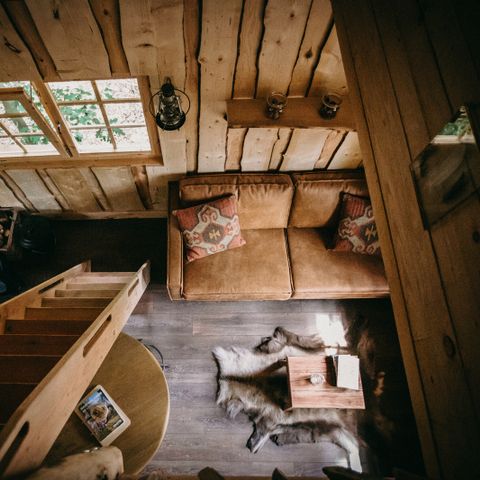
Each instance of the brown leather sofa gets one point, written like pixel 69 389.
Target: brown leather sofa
pixel 286 221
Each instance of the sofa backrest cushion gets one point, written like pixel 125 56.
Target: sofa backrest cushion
pixel 264 200
pixel 317 196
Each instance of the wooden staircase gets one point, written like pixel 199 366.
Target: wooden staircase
pixel 53 339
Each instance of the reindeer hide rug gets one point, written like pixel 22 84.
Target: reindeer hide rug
pixel 254 382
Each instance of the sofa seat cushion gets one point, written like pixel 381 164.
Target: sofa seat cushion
pixel 257 271
pixel 321 273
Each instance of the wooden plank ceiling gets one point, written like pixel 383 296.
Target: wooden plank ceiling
pixel 215 51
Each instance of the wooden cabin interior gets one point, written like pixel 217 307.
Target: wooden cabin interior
pixel 94 158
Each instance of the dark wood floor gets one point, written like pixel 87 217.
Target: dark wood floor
pixel 198 434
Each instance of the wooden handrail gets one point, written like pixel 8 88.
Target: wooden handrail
pixel 33 428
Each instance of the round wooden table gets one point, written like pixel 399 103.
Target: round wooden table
pixel 135 381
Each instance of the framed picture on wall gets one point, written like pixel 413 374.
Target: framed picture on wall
pixel 447 172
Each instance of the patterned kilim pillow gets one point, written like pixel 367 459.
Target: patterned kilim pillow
pixel 356 231
pixel 210 228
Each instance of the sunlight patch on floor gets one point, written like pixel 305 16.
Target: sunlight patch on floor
pixel 330 328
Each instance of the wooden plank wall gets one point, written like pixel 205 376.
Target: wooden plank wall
pixel 423 59
pixel 212 50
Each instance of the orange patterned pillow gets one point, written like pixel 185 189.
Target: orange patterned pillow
pixel 357 231
pixel 210 228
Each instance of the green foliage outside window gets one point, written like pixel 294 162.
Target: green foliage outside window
pixel 76 115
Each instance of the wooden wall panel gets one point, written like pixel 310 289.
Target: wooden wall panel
pixel 257 149
pixel 17 62
pixel 459 253
pixel 7 198
pixel 119 187
pixel 417 47
pixel 235 139
pixel 240 49
pixel 333 142
pixel 50 184
pixel 38 194
pixel 72 37
pixel 304 149
pixel 153 38
pixel 283 139
pixel 95 188
pixel 284 22
pixel 248 46
pixel 329 75
pixel 191 33
pixel 435 331
pixel 319 24
pixel 75 188
pixel 348 154
pixel 246 71
pixel 218 52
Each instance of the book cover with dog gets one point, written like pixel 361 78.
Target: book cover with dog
pixel 102 416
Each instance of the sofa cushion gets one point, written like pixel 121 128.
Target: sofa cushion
pixel 317 196
pixel 257 271
pixel 321 273
pixel 264 200
pixel 210 228
pixel 356 231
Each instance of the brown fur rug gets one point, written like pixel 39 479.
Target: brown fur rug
pixel 254 382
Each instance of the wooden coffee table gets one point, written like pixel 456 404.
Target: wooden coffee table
pixel 303 394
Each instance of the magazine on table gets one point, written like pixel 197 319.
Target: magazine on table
pixel 102 416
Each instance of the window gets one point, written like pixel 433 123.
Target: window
pixel 77 120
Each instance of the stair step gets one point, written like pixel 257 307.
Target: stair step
pixel 105 274
pixel 52 313
pixel 36 344
pixel 95 286
pixel 48 327
pixel 86 293
pixel 75 302
pixel 11 396
pixel 96 278
pixel 26 368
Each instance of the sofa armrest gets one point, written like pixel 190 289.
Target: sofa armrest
pixel 174 247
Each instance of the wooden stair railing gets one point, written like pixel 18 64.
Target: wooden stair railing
pixel 53 339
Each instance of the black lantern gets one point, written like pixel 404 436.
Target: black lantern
pixel 169 115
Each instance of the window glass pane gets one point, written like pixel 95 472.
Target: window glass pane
pixel 82 115
pixel 125 113
pixel 11 106
pixel 72 91
pixel 8 146
pixel 92 140
pixel 119 88
pixel 27 87
pixel 20 125
pixel 37 144
pixel 132 139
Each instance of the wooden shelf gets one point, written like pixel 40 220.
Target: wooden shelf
pixel 299 113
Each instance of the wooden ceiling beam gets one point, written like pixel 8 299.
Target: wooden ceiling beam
pixel 25 26
pixel 16 60
pixel 107 15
